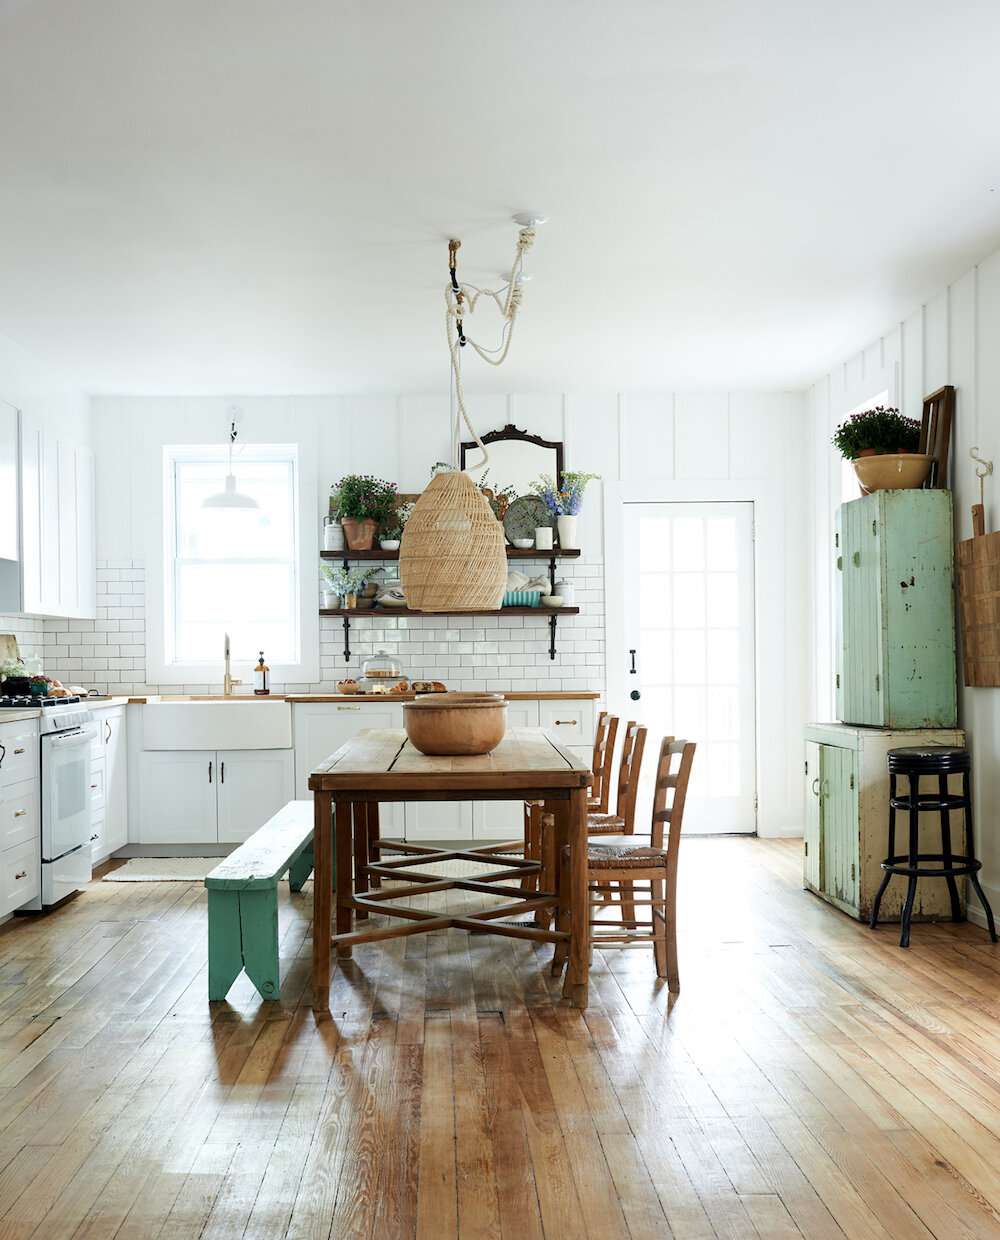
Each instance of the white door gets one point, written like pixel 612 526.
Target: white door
pixel 687 669
pixel 176 796
pixel 112 725
pixel 253 785
pixel 320 728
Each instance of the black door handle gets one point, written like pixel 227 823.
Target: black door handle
pixel 635 695
pixel 631 670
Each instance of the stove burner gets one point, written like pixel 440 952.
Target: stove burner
pixel 26 702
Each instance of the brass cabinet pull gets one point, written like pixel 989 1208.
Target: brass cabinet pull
pixel 19 813
pixel 21 750
pixel 21 874
pixel 569 723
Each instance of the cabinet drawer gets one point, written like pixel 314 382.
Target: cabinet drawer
pixel 18 814
pixel 20 875
pixel 571 723
pixel 18 753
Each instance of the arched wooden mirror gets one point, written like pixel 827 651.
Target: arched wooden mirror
pixel 516 458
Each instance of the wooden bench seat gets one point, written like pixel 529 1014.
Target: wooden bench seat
pixel 243 900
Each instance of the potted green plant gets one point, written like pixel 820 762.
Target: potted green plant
pixel 882 446
pixel 364 503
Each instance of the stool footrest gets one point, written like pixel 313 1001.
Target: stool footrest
pixel 903 864
pixel 926 802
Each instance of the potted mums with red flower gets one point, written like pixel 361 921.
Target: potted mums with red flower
pixel 882 446
pixel 364 503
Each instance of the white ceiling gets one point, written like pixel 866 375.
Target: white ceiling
pixel 254 195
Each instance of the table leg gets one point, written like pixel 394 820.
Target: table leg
pixel 322 894
pixel 342 826
pixel 360 812
pixel 576 985
pixel 557 813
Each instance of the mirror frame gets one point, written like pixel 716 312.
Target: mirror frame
pixel 511 432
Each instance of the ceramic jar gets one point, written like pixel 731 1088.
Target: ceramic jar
pixel 543 538
pixel 333 535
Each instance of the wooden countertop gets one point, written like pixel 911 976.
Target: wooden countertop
pixel 541 695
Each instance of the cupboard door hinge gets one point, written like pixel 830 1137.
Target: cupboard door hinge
pixel 875 528
pixel 836 540
pixel 852 781
pixel 852 872
pixel 807 847
pixel 807 766
pixel 755 804
pixel 878 683
pixel 838 680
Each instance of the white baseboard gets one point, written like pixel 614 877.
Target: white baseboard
pixel 974 910
pixel 793 831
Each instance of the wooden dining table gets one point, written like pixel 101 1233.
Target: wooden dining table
pixel 381 765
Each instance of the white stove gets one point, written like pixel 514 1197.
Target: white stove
pixel 66 728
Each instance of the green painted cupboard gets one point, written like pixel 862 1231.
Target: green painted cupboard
pixel 896 625
pixel 847 819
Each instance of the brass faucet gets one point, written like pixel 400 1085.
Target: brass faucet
pixel 227 679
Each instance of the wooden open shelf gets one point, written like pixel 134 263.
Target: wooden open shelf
pixel 406 611
pixel 513 553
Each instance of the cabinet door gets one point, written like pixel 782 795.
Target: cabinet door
pixel 504 820
pixel 438 820
pixel 839 824
pixel 812 860
pixel 31 515
pixel 861 613
pixel 253 785
pixel 8 485
pixel 51 571
pixel 85 550
pixel 112 725
pixel 66 509
pixel 177 796
pixel 320 728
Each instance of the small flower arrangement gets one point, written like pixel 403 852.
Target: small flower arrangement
pixel 392 528
pixel 567 500
pixel 498 498
pixel 360 497
pixel 343 581
pixel 879 431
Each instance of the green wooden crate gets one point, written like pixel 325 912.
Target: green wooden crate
pixel 897 616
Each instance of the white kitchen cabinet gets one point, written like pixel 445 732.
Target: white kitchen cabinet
pixel 205 796
pixel 9 549
pixel 109 785
pixel 57 568
pixel 253 784
pixel 320 728
pixel 436 820
pixel 20 824
pixel 176 797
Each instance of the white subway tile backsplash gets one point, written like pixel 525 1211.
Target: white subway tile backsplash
pixel 476 652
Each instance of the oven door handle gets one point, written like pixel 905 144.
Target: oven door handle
pixel 71 738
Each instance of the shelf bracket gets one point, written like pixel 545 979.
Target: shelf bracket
pixel 552 637
pixel 552 577
pixel 347 639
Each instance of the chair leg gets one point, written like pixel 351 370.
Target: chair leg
pixel 628 906
pixel 360 816
pixel 876 903
pixel 548 846
pixel 658 912
pixel 977 887
pixel 532 851
pixel 374 852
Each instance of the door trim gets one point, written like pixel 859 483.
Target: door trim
pixel 778 777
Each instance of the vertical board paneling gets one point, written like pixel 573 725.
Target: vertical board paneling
pixel 912 377
pixel 935 367
pixel 647 435
pixel 701 435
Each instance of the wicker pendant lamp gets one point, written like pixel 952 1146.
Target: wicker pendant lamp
pixel 453 556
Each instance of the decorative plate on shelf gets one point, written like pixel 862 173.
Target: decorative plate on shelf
pixel 524 516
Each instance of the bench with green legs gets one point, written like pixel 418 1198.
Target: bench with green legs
pixel 243 900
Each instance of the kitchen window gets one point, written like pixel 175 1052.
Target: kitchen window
pixel 230 569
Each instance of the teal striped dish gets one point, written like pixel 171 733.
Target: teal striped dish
pixel 522 598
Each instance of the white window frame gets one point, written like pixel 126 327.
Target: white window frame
pixel 160 588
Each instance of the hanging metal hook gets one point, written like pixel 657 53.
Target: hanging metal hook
pixel 987 466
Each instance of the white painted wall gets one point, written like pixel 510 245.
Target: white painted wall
pixel 952 338
pixel 658 439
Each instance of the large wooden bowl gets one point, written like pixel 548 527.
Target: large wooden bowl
pixel 456 724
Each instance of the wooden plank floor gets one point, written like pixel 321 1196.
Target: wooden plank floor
pixel 811 1080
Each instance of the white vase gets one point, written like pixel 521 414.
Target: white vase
pixel 567 533
pixel 543 538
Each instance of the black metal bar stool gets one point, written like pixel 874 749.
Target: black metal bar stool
pixel 941 761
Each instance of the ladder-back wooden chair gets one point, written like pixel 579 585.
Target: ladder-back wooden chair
pixel 656 864
pixel 604 756
pixel 622 821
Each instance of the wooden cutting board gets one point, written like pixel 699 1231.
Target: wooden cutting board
pixel 978 562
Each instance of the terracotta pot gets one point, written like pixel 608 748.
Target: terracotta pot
pixel 360 535
pixel 892 471
pixel 446 724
